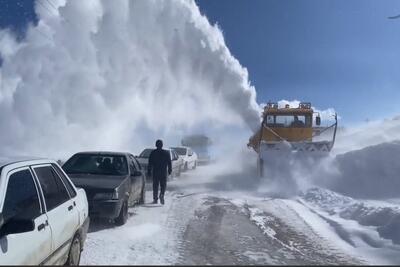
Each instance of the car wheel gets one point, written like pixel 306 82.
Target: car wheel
pixel 186 166
pixel 195 165
pixel 179 171
pixel 123 214
pixel 143 195
pixel 74 255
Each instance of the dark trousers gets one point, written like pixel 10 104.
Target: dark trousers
pixel 159 181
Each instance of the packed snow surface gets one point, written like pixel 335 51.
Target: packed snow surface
pixel 204 223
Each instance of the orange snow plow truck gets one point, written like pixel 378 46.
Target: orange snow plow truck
pixel 292 130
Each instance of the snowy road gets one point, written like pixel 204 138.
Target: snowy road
pixel 202 225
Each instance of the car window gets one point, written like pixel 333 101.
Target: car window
pixel 136 164
pixel 131 166
pixel 54 191
pixel 175 156
pixel 66 181
pixel 97 164
pixel 22 200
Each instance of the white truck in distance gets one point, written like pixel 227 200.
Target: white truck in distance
pixel 43 216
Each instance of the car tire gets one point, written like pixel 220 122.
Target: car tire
pixel 179 171
pixel 186 166
pixel 74 254
pixel 123 214
pixel 143 195
pixel 195 165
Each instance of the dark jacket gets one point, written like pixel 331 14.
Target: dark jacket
pixel 159 163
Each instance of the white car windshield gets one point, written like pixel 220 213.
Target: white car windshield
pixel 180 150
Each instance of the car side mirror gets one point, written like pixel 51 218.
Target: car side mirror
pixel 16 226
pixel 318 120
pixel 136 173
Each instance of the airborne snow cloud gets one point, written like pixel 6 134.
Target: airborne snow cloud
pixel 117 74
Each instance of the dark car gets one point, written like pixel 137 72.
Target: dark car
pixel 113 181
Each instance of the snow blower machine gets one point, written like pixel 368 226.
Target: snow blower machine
pixel 290 132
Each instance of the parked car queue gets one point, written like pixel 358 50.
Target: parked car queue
pixel 45 209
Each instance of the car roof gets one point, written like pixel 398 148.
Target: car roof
pixel 181 147
pixel 9 160
pixel 21 161
pixel 109 153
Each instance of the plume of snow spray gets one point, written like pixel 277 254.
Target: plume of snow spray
pixel 116 75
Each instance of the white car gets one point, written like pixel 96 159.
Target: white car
pixel 188 155
pixel 177 163
pixel 43 216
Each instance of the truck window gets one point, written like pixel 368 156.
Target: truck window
pixel 22 200
pixel 270 120
pixel 54 191
pixel 308 121
pixel 290 121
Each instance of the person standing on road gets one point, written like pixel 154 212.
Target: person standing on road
pixel 159 166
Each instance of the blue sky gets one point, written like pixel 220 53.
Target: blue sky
pixel 343 54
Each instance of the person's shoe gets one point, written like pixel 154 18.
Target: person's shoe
pixel 154 201
pixel 162 199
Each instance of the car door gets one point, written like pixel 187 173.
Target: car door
pixel 176 161
pixel 62 215
pixel 140 178
pixel 132 182
pixel 173 163
pixel 22 202
pixel 190 158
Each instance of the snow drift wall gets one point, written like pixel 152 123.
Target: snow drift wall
pixel 371 172
pixel 116 75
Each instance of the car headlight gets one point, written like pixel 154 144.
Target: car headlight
pixel 106 196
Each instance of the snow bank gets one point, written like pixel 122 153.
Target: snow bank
pixel 384 217
pixel 371 172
